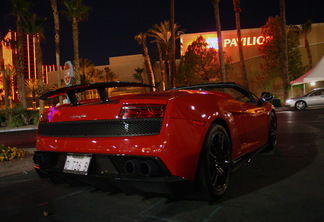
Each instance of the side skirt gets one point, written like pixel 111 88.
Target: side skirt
pixel 246 158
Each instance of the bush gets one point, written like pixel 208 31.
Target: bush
pixel 3 118
pixel 10 153
pixel 18 116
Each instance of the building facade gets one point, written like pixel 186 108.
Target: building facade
pixel 252 39
pixel 9 53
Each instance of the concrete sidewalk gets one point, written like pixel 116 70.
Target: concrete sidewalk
pixel 23 138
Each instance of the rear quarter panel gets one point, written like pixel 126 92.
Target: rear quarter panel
pixel 207 109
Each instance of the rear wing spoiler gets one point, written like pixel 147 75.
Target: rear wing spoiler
pixel 71 91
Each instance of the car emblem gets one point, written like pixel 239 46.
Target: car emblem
pixel 78 116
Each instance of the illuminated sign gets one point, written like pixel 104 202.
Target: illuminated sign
pixel 233 42
pixel 212 42
pixel 251 40
pixel 68 73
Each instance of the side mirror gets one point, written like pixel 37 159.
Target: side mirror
pixel 265 96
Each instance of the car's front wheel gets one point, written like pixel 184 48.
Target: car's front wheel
pixel 300 105
pixel 215 163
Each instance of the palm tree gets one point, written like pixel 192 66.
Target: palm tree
pixel 1 55
pixel 34 25
pixel 33 86
pixel 85 67
pixel 306 28
pixel 89 74
pixel 159 47
pixel 220 39
pixel 94 75
pixel 57 41
pixel 76 12
pixel 237 9
pixel 7 73
pixel 162 37
pixel 110 75
pixel 285 71
pixel 173 68
pixel 141 39
pixel 19 9
pixel 138 75
pixel 4 77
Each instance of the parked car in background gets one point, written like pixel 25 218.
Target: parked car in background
pixel 187 139
pixel 313 98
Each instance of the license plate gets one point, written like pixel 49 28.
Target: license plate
pixel 77 164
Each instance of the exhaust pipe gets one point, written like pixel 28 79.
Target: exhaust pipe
pixel 41 158
pixel 132 167
pixel 136 167
pixel 149 168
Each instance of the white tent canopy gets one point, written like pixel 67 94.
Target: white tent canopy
pixel 317 73
pixel 313 75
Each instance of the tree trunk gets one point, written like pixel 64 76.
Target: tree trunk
pixel 75 33
pixel 5 78
pixel 162 65
pixel 220 40
pixel 149 65
pixel 285 73
pixel 237 10
pixel 6 87
pixel 57 41
pixel 57 44
pixel 20 65
pixel 309 54
pixel 173 69
pixel 39 63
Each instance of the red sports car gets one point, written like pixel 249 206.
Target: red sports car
pixel 168 142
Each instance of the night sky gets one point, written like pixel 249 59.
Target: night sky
pixel 112 25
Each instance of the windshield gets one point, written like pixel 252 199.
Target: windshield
pixel 307 94
pixel 235 90
pixel 315 92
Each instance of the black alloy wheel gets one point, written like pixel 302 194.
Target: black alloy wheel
pixel 272 136
pixel 215 163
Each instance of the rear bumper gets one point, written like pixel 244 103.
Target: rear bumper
pixel 108 172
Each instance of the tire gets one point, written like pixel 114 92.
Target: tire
pixel 272 137
pixel 300 105
pixel 215 163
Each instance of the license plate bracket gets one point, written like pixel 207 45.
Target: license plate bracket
pixel 77 163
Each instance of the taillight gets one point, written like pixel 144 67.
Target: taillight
pixel 142 111
pixel 43 117
pixel 47 115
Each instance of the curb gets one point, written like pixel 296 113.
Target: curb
pixel 18 129
pixel 18 136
